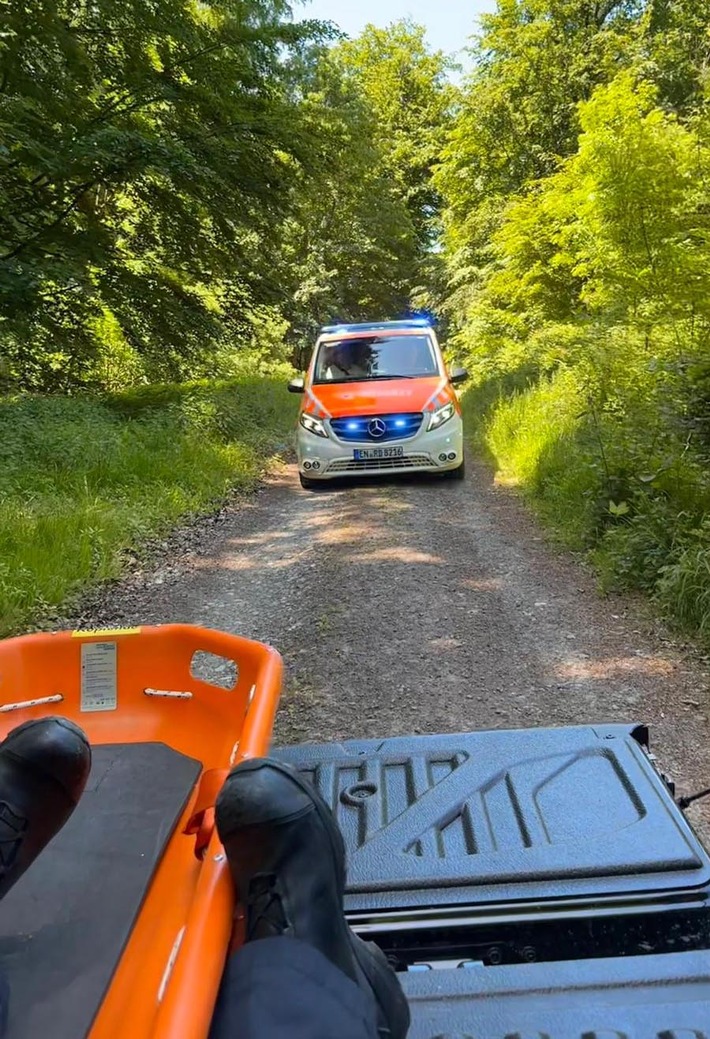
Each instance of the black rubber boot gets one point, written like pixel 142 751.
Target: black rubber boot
pixel 287 860
pixel 44 766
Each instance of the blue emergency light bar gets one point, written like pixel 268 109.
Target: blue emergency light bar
pixel 378 326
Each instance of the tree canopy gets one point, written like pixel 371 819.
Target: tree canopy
pixel 183 182
pixel 179 181
pixel 574 179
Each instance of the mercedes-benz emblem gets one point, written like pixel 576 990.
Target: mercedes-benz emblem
pixel 376 428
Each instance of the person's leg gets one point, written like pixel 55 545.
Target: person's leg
pixel 44 766
pixel 285 987
pixel 287 860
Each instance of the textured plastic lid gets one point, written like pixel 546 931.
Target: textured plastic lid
pixel 504 816
pixel 634 997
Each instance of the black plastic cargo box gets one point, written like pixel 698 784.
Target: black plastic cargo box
pixel 636 997
pixel 513 846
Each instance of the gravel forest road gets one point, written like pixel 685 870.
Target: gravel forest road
pixel 423 606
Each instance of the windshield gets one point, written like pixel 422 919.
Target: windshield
pixel 376 357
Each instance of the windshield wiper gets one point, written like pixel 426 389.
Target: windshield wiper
pixel 368 378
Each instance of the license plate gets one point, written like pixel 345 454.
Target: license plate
pixel 366 453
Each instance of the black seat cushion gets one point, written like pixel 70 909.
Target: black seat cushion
pixel 64 926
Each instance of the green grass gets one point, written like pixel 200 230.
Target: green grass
pixel 530 433
pixel 620 486
pixel 83 479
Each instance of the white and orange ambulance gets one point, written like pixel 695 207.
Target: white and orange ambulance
pixel 378 398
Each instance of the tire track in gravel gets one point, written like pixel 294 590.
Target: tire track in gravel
pixel 424 606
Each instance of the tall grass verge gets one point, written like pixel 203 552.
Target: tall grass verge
pixel 620 485
pixel 83 479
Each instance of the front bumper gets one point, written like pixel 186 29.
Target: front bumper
pixel 329 459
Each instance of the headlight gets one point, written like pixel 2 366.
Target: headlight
pixel 441 416
pixel 313 425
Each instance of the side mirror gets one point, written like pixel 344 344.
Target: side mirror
pixel 458 375
pixel 296 386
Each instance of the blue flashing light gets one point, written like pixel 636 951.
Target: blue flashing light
pixel 427 317
pixel 356 430
pixel 377 326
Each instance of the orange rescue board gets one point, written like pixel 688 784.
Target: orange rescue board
pixel 167 980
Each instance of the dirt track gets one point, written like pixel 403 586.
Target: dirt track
pixel 424 606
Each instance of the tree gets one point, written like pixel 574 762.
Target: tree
pixel 411 100
pixel 619 234
pixel 349 243
pixel 535 61
pixel 678 48
pixel 146 157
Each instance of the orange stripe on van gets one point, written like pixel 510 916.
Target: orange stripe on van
pixel 439 397
pixel 316 408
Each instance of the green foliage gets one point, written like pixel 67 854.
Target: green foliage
pixel 187 191
pixel 82 480
pixel 684 586
pixel 678 48
pixel 145 160
pixel 359 241
pixel 349 246
pixel 598 480
pixel 536 59
pixel 533 434
pixel 406 89
pixel 578 256
pixel 180 185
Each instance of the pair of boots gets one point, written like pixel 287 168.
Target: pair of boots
pixel 285 851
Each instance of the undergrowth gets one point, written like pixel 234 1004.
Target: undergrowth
pixel 84 478
pixel 621 485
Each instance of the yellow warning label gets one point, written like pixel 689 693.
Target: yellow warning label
pixel 92 632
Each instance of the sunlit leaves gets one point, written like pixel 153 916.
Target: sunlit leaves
pixel 147 156
pixel 577 219
pixel 412 101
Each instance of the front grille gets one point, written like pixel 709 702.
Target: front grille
pixel 396 427
pixel 365 465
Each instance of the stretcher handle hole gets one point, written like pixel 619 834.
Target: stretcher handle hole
pixel 214 669
pixel 358 792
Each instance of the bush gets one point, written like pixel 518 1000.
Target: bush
pixel 82 479
pixel 683 588
pixel 596 275
pixel 616 481
pixel 633 553
pixel 533 437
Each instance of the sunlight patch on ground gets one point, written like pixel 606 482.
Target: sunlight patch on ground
pixel 275 559
pixel 506 480
pixel 391 504
pixel 395 555
pixel 317 519
pixel 260 539
pixel 614 667
pixel 483 584
pixel 337 535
